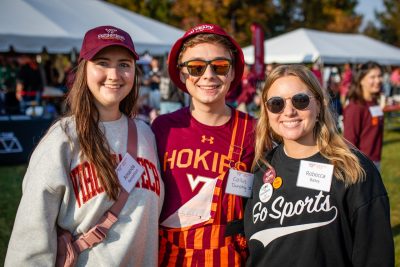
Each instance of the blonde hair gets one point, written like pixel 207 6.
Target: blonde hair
pixel 331 144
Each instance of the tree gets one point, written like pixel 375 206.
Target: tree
pixel 236 16
pixel 390 22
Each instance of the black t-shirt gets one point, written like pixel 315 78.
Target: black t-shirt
pixel 298 226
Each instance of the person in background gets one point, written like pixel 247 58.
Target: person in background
pixel 363 118
pixel 316 201
pixel 171 97
pixel 316 69
pixel 345 83
pixel 71 180
pixel 204 148
pixel 29 85
pixel 395 80
pixel 154 74
pixel 248 89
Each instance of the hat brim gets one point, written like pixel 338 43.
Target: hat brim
pixel 174 70
pixel 90 54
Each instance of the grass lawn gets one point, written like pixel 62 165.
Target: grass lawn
pixel 11 178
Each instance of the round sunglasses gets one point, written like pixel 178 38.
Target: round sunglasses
pixel 277 104
pixel 197 67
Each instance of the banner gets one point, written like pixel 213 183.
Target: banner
pixel 258 43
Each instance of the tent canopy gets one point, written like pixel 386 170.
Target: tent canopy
pixel 306 46
pixel 29 26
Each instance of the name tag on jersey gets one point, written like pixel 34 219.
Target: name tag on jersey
pixel 314 175
pixel 376 111
pixel 129 172
pixel 239 183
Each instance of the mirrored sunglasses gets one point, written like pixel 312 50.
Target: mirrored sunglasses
pixel 277 104
pixel 197 67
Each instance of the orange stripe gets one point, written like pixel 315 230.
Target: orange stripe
pixel 198 238
pixel 182 239
pixel 162 251
pixel 173 256
pixel 233 134
pixel 214 242
pixel 224 256
pixel 230 208
pixel 188 257
pixel 244 134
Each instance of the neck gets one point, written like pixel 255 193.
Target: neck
pixel 368 96
pixel 211 116
pixel 299 151
pixel 110 115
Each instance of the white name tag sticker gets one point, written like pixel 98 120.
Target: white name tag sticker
pixel 239 183
pixel 376 111
pixel 129 171
pixel 314 175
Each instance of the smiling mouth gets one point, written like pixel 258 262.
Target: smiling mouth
pixel 291 124
pixel 208 87
pixel 112 86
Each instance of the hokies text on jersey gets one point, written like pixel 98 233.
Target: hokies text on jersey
pixel 196 159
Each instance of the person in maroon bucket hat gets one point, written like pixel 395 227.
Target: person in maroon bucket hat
pixel 204 149
pixel 94 178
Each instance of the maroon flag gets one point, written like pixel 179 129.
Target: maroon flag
pixel 258 43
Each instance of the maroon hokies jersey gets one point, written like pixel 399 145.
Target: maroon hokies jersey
pixel 192 155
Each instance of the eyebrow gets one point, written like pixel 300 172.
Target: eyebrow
pixel 128 59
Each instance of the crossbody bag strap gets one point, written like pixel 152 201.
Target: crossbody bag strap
pixel 99 232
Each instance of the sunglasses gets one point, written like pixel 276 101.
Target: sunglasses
pixel 277 104
pixel 197 67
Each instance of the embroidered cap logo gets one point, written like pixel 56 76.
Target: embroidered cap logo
pixel 111 35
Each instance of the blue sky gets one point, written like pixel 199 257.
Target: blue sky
pixel 366 8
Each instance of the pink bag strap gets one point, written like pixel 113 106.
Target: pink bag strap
pixel 99 232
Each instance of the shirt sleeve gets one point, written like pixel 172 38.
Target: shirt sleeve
pixel 352 123
pixel 373 240
pixel 33 239
pixel 370 220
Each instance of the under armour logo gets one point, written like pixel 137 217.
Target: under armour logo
pixel 204 139
pixel 110 31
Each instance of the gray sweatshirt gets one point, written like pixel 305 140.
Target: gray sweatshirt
pixel 59 188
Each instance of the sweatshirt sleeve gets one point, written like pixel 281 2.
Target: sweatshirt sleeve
pixel 372 235
pixel 352 120
pixel 33 239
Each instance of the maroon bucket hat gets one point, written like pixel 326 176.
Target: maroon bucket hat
pixel 101 37
pixel 173 68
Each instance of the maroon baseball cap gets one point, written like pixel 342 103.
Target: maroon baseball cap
pixel 104 36
pixel 173 68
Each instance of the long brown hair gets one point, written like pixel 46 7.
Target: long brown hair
pixel 330 143
pixel 93 143
pixel 356 90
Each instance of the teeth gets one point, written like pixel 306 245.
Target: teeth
pixel 115 86
pixel 290 124
pixel 209 87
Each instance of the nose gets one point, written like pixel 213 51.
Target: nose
pixel 112 73
pixel 289 110
pixel 208 72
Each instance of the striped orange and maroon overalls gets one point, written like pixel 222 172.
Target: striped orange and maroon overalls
pixel 206 244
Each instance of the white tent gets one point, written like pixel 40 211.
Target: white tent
pixel 59 26
pixel 305 46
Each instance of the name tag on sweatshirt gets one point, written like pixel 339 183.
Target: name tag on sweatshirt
pixel 129 171
pixel 315 175
pixel 376 111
